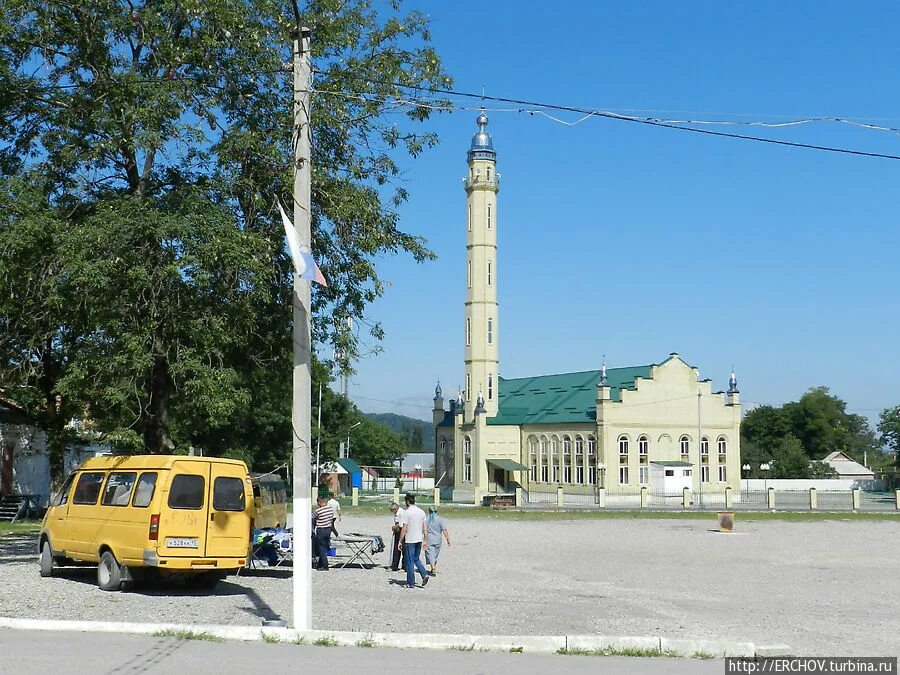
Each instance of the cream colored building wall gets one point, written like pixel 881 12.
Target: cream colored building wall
pixel 560 433
pixel 665 408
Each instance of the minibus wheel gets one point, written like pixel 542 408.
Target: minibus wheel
pixel 109 573
pixel 47 562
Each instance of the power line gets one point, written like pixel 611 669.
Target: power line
pixel 638 120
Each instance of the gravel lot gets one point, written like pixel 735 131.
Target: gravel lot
pixel 825 588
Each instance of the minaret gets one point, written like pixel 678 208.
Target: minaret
pixel 482 320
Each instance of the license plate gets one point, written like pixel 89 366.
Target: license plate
pixel 181 542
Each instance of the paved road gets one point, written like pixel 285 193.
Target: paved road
pixel 26 652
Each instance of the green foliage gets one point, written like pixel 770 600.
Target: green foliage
pixel 794 438
pixel 889 428
pixel 144 284
pixel 418 435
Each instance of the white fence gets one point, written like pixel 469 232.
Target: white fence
pixel 804 484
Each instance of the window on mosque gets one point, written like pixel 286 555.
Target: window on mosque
pixel 722 446
pixel 490 387
pixel 685 444
pixel 469 273
pixel 579 460
pixel 567 459
pixel 623 450
pixel 489 217
pixel 644 475
pixel 467 459
pixel 554 458
pixel 592 461
pixel 704 450
pixel 704 474
pixel 468 336
pixel 489 173
pixel 532 447
pixel 469 221
pixel 489 275
pixel 545 463
pixel 644 450
pixel 623 475
pixel 722 473
pixel 490 331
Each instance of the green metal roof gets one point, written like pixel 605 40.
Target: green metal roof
pixel 564 398
pixel 507 465
pixel 349 465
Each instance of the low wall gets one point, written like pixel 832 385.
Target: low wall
pixel 803 484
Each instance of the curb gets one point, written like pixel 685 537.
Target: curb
pixel 531 644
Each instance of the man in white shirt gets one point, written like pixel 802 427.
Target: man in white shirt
pixel 414 535
pixel 335 506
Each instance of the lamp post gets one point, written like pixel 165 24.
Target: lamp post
pixel 348 437
pixel 764 467
pixel 746 469
pixel 602 467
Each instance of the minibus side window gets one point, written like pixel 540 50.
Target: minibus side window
pixel 143 493
pixel 118 489
pixel 186 492
pixel 228 494
pixel 88 488
pixel 63 495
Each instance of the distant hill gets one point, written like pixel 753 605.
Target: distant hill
pixel 418 434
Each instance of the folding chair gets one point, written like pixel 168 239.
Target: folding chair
pixel 284 547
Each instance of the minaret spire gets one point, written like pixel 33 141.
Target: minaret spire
pixel 481 309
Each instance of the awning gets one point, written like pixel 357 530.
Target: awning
pixel 507 465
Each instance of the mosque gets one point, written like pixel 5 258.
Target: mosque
pixel 594 432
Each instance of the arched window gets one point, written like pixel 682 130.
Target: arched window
pixel 489 217
pixel 623 460
pixel 469 274
pixel 490 331
pixel 468 332
pixel 567 459
pixel 722 446
pixel 469 221
pixel 684 443
pixel 704 460
pixel 467 459
pixel 468 387
pixel 490 387
pixel 545 461
pixel 644 460
pixel 489 173
pixel 490 277
pixel 554 458
pixel 579 460
pixel 592 460
pixel 532 451
pixel 443 445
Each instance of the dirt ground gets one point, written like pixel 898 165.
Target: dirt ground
pixel 824 588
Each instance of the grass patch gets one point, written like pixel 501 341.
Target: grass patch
pixel 516 650
pixel 325 642
pixel 460 511
pixel 188 635
pixel 368 643
pixel 620 651
pixel 463 648
pixel 22 527
pixel 703 656
pixel 270 639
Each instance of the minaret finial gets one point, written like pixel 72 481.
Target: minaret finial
pixel 603 381
pixel 438 392
pixel 732 382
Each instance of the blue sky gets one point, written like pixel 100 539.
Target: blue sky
pixel 631 241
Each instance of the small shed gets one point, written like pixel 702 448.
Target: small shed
pixel 354 472
pixel 846 467
pixel 670 477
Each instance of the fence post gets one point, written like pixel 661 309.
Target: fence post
pixel 728 498
pixel 897 499
pixel 644 496
pixel 813 499
pixel 855 494
pixel 770 498
pixel 314 493
pixel 396 495
pixel 601 498
pixel 685 498
pixel 354 496
pixel 518 496
pixel 437 496
pixel 560 497
pixel 477 497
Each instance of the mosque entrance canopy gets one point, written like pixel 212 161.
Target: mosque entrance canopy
pixel 507 465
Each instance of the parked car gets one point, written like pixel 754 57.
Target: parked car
pixel 151 515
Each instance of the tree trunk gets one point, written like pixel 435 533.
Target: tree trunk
pixel 157 423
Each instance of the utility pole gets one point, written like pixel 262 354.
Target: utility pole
pixel 319 435
pixel 302 383
pixel 699 449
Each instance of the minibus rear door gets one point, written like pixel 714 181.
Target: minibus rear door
pixel 183 511
pixel 231 496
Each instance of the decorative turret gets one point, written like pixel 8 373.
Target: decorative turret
pixel 733 397
pixel 479 405
pixel 603 391
pixel 438 397
pixel 460 403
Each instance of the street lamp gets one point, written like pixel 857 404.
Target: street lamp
pixel 602 468
pixel 348 437
pixel 764 467
pixel 746 469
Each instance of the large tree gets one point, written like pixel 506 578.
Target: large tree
pixel 889 428
pixel 144 276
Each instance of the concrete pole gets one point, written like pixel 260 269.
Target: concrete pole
pixel 301 409
pixel 699 450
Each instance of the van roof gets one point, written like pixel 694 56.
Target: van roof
pixel 150 461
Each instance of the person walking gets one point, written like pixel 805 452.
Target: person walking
pixel 413 535
pixel 397 554
pixel 436 527
pixel 324 523
pixel 335 506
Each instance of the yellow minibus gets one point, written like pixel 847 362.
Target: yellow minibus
pixel 144 516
